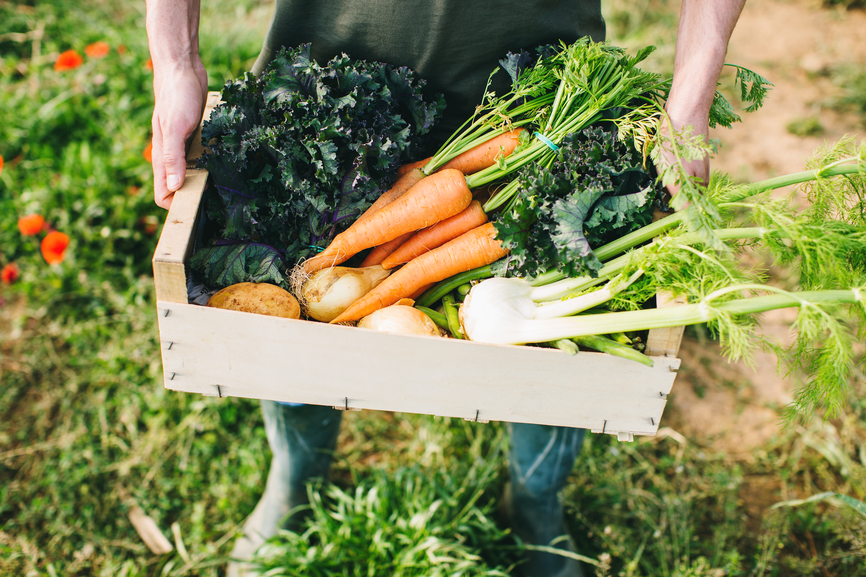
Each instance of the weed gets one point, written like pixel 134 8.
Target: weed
pixel 809 126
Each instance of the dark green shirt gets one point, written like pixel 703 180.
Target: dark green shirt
pixel 453 44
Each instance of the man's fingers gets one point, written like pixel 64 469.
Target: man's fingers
pixel 161 195
pixel 173 159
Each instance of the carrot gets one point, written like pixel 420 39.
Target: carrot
pixel 404 183
pixel 420 291
pixel 434 198
pixel 437 235
pixel 413 165
pixel 381 252
pixel 472 249
pixel 486 153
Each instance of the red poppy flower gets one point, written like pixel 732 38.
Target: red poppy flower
pixel 147 153
pixel 69 60
pixel 121 49
pixel 149 64
pixel 1 164
pixel 98 49
pixel 10 273
pixel 30 224
pixel 54 247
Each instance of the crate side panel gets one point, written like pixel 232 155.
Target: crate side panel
pixel 666 342
pixel 280 359
pixel 176 240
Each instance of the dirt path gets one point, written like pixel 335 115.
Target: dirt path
pixel 798 46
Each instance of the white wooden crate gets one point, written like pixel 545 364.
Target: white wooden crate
pixel 227 353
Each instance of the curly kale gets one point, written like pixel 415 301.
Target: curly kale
pixel 296 154
pixel 596 190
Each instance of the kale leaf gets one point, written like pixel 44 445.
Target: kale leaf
pixel 596 190
pixel 296 154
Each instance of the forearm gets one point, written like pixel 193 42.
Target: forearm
pixel 704 30
pixel 172 33
pixel 179 88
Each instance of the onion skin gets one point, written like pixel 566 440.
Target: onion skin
pixel 329 292
pixel 401 319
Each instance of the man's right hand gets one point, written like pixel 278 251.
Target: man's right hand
pixel 180 94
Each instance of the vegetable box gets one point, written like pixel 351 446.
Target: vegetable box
pixel 223 353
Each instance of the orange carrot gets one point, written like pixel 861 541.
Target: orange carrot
pixel 486 153
pixel 381 252
pixel 413 165
pixel 414 296
pixel 437 235
pixel 434 198
pixel 472 249
pixel 404 183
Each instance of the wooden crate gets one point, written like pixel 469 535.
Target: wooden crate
pixel 227 353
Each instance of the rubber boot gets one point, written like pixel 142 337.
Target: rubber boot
pixel 302 440
pixel 540 460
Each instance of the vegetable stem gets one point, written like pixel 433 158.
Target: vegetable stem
pixel 451 316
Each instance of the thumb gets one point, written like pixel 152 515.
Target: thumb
pixel 174 160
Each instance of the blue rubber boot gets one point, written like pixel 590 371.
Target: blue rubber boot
pixel 302 440
pixel 540 461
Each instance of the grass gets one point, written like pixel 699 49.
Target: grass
pixel 88 432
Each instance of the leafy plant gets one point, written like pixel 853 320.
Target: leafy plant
pixel 407 522
pixel 298 152
pixel 597 189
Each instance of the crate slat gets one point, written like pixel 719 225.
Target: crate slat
pixel 228 353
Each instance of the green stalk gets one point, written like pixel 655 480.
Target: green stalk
pixel 451 316
pixel 563 287
pixel 436 317
pixel 644 234
pixel 610 346
pixel 437 291
pixel 537 331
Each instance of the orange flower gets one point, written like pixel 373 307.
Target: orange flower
pixel 31 224
pixel 121 49
pixel 54 247
pixel 149 64
pixel 69 60
pixel 147 153
pixel 1 164
pixel 10 273
pixel 98 49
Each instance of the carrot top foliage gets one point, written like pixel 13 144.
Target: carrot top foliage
pixel 299 152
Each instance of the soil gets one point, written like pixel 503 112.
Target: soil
pixel 800 47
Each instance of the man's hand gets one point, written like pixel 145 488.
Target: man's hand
pixel 702 39
pixel 179 89
pixel 677 120
pixel 180 95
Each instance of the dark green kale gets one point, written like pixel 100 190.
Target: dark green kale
pixel 596 190
pixel 296 154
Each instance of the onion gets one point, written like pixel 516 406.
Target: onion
pixel 401 319
pixel 328 292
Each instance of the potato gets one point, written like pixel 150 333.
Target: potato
pixel 258 298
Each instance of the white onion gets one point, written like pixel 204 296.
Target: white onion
pixel 401 319
pixel 330 291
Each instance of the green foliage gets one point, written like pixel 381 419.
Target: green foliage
pixel 435 520
pixel 298 153
pixel 753 87
pixel 596 189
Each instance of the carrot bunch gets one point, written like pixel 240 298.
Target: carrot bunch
pixel 426 224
